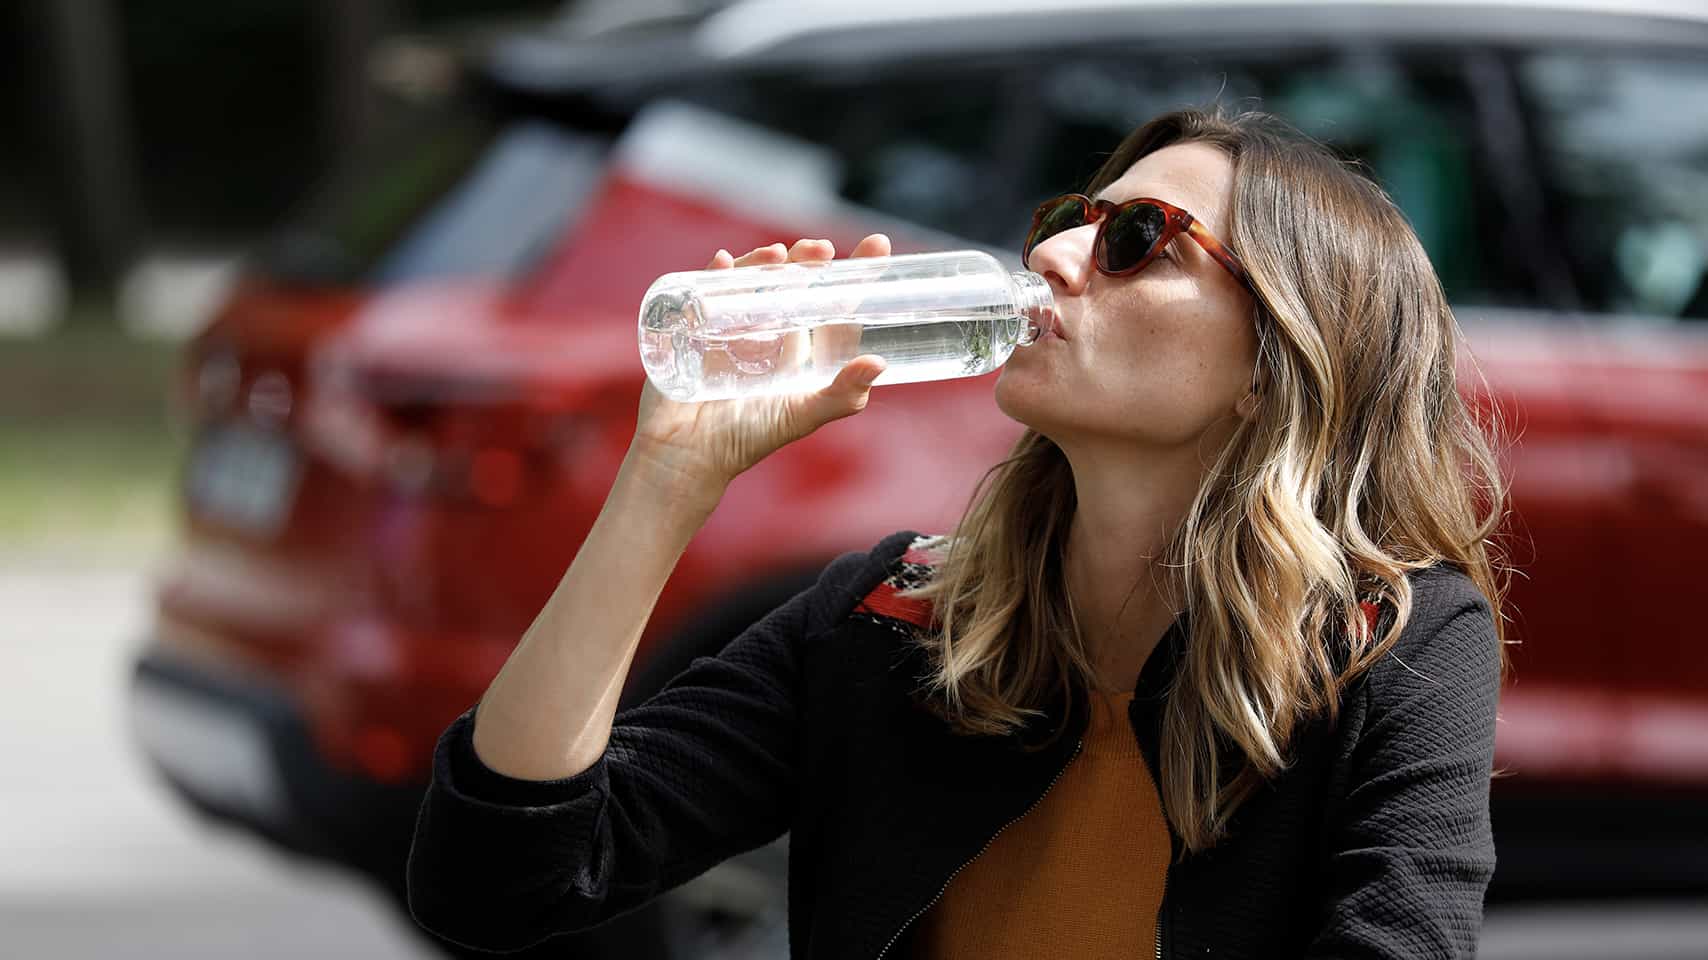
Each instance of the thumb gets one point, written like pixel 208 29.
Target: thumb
pixel 848 393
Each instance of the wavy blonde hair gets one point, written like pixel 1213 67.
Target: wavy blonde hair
pixel 1362 465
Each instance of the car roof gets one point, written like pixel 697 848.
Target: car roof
pixel 757 33
pixel 752 27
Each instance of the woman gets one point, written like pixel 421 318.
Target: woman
pixel 1209 667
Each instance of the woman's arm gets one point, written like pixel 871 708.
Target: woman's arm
pixel 700 772
pixel 547 715
pixel 542 815
pixel 1412 851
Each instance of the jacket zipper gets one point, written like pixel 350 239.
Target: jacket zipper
pixel 1160 907
pixel 945 887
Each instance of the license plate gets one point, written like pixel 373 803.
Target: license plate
pixel 243 477
pixel 217 752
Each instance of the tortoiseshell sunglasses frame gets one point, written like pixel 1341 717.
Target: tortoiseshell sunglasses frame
pixel 1177 222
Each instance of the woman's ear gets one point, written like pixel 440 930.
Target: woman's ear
pixel 1247 406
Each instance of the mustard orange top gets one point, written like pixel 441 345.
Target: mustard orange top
pixel 1079 875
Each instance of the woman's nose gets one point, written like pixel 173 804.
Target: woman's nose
pixel 1065 258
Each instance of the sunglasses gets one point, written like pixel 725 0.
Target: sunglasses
pixel 1129 235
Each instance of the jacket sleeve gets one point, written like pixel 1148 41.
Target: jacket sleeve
pixel 700 772
pixel 1411 851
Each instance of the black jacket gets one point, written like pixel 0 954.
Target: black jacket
pixel 1374 843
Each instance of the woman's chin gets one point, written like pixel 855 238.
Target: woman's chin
pixel 1021 397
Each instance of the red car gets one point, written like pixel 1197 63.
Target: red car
pixel 411 409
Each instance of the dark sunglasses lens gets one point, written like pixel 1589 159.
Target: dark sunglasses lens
pixel 1129 236
pixel 1063 213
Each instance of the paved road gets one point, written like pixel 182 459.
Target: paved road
pixel 97 861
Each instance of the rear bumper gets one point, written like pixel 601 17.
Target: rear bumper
pixel 1558 841
pixel 240 751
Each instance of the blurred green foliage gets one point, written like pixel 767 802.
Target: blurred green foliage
pixel 89 450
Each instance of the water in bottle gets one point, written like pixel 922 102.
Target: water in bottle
pixel 789 327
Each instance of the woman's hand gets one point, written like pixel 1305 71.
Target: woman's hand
pixel 698 448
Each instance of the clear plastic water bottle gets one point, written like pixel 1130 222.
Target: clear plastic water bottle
pixel 789 327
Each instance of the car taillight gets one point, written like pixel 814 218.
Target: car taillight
pixel 494 476
pixel 221 385
pixel 216 383
pixel 488 452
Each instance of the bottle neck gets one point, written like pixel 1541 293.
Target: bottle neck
pixel 1034 304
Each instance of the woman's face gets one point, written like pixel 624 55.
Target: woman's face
pixel 1156 358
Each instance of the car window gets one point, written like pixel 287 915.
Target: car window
pixel 915 144
pixel 1623 144
pixel 456 190
pixel 1409 116
pixel 354 218
pixel 505 212
pixel 933 147
pixel 970 148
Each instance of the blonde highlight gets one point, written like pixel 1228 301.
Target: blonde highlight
pixel 1361 465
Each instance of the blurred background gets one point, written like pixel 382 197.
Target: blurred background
pixel 317 357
